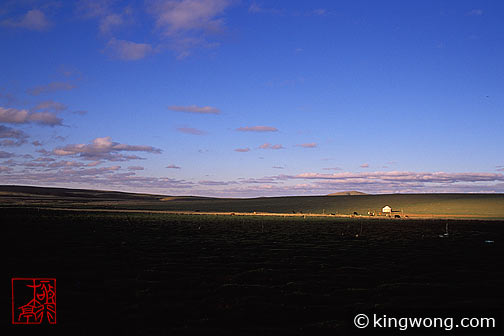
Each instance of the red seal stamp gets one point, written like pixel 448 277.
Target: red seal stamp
pixel 33 300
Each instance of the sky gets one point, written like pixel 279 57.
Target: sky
pixel 232 98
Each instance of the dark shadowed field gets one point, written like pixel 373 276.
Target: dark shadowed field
pixel 147 274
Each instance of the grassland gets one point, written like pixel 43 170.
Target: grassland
pixel 489 206
pixel 141 273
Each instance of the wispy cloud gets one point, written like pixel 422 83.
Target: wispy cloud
pixel 128 50
pixel 110 22
pixel 135 168
pixel 319 12
pixel 255 8
pixel 11 136
pixel 7 97
pixel 44 159
pixel 94 163
pixel 242 150
pixel 45 118
pixel 216 183
pixel 364 165
pixel 172 166
pixel 105 177
pixel 257 129
pixel 188 16
pixel 17 116
pixel 499 168
pixel 195 109
pixel 110 18
pixel 92 8
pixel 375 182
pixel 59 137
pixel 67 164
pixel 475 12
pixel 51 87
pixel 50 106
pixel 6 155
pixel 34 19
pixel 103 149
pixel 398 176
pixel 267 145
pixel 188 23
pixel 307 145
pixel 332 168
pixel 190 130
pixel 11 143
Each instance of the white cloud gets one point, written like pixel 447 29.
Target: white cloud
pixel 255 8
pixel 195 109
pixel 475 12
pixel 45 118
pixel 242 150
pixel 216 183
pixel 128 50
pixel 257 129
pixel 11 133
pixel 109 16
pixel 267 145
pixel 376 182
pixel 110 22
pixel 103 149
pixel 187 24
pixel 190 130
pixel 51 87
pixel 34 19
pixel 17 116
pixel 93 8
pixel 172 166
pixel 6 155
pixel 105 177
pixel 177 17
pixel 135 168
pixel 307 145
pixel 50 105
pixel 13 116
pixel 398 176
pixel 319 12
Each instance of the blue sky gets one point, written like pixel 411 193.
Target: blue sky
pixel 253 98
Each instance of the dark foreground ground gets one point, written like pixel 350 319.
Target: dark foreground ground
pixel 144 274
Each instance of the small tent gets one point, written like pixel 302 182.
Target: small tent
pixel 387 209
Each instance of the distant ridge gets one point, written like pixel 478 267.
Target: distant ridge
pixel 347 193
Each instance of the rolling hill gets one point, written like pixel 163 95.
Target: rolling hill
pixel 348 193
